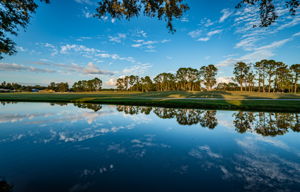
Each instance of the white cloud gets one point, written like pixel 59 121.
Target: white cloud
pixel 52 47
pixel 274 45
pixel 148 45
pixel 83 38
pixel 247 44
pixel 226 13
pixel 263 52
pixel 141 33
pixel 92 69
pixel 17 68
pixel 136 70
pixel 118 38
pixel 195 33
pixel 204 39
pixel 210 34
pixel 88 2
pixel 77 48
pixel 87 13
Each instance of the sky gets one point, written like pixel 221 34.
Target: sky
pixel 65 43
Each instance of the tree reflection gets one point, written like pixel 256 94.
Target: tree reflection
pixel 94 107
pixel 183 116
pixel 266 123
pixel 243 121
pixel 7 102
pixel 209 119
pixel 263 123
pixel 134 110
pixel 5 186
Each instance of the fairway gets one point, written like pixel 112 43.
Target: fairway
pixel 209 100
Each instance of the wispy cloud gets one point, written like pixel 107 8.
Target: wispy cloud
pixel 118 38
pixel 87 13
pixel 147 45
pixel 141 33
pixel 88 2
pixel 226 13
pixel 89 69
pixel 195 33
pixel 259 53
pixel 136 69
pixel 92 69
pixel 18 68
pixel 210 34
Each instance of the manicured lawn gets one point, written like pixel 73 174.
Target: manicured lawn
pixel 227 100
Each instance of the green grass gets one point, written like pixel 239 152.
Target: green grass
pixel 229 100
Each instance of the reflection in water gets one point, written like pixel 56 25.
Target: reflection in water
pixel 92 147
pixel 206 118
pixel 263 123
pixel 5 187
pixel 266 123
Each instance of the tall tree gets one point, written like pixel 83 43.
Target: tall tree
pixel 261 73
pixel 284 78
pixel 13 14
pixel 240 72
pixel 270 66
pixel 147 84
pixel 209 73
pixel 296 73
pixel 120 84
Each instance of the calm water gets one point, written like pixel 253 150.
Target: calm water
pixel 51 147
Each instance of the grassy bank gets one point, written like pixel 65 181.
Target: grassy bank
pixel 226 100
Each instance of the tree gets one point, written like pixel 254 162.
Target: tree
pixel 147 84
pixel 260 71
pixel 295 72
pixel 88 85
pixel 208 73
pixel 270 66
pixel 162 9
pixel 250 81
pixel 240 72
pixel 120 84
pixel 13 13
pixel 284 78
pixel 267 9
pixel 165 82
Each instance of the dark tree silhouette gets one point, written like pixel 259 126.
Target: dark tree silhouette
pixel 13 13
pixel 162 9
pixel 267 9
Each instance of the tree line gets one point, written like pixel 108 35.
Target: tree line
pixel 185 79
pixel 79 86
pixel 262 76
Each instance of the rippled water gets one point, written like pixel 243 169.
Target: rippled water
pixel 84 147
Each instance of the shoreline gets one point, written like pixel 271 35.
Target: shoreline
pixel 263 104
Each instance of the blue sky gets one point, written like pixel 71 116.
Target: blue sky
pixel 64 43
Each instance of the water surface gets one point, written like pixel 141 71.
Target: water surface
pixel 89 147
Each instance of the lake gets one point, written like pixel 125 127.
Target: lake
pixel 91 147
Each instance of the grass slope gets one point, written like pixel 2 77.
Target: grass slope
pixel 227 100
